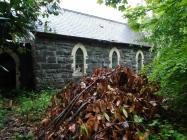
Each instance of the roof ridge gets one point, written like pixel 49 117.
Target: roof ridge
pixel 94 16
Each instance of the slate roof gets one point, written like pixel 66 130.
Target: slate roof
pixel 76 24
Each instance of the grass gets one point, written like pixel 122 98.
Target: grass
pixel 166 131
pixel 3 111
pixel 33 106
pixel 29 107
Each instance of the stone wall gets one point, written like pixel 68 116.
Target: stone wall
pixel 53 60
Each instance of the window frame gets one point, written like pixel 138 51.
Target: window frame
pixel 114 49
pixel 139 52
pixel 85 57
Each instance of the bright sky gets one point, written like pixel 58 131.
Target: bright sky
pixel 91 7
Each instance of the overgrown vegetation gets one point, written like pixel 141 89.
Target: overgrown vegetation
pixel 3 113
pixel 164 23
pixel 165 131
pixel 33 106
pixel 18 17
pixel 21 113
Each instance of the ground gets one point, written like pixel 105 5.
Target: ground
pixel 20 116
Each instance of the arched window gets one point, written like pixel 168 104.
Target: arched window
pixel 79 55
pixel 139 61
pixel 114 57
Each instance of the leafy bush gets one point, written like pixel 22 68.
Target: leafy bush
pixel 34 105
pixel 166 131
pixel 164 24
pixel 170 70
pixel 3 112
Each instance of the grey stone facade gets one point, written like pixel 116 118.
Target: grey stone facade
pixel 53 59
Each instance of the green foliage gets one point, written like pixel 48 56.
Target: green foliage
pixel 34 105
pixel 83 130
pixel 138 119
pixel 170 69
pixel 165 25
pixel 165 131
pixel 3 112
pixel 28 136
pixel 30 105
pixel 18 17
pixel 20 113
pixel 158 129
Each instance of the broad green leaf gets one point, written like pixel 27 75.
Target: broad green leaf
pixel 83 130
pixel 138 119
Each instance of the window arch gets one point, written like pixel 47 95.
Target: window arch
pixel 139 61
pixel 16 60
pixel 79 55
pixel 114 57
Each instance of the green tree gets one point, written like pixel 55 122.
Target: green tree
pixel 164 23
pixel 18 17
